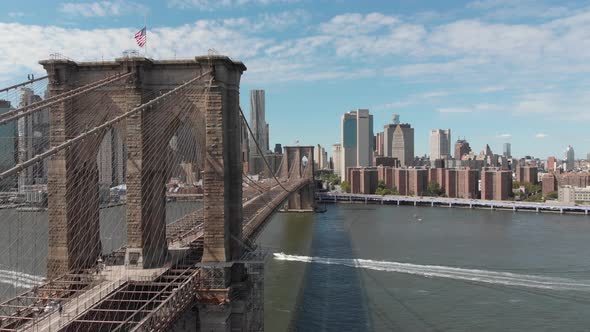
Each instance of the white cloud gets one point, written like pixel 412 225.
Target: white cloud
pixel 504 136
pixel 514 9
pixel 269 22
pixel 355 24
pixel 487 89
pixel 434 68
pixel 541 135
pixel 480 107
pixel 435 94
pixel 25 45
pixel 570 105
pixel 419 98
pixel 393 105
pixel 101 8
pixel 217 4
pixel 16 14
pixel 454 110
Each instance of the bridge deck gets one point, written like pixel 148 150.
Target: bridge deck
pixel 130 298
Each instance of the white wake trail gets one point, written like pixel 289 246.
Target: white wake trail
pixel 484 276
pixel 20 279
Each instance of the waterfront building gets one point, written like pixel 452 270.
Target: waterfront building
pixel 363 180
pixel 467 183
pixel 400 180
pixel 368 180
pixel 551 164
pixel 450 186
pixel 549 183
pixel 527 174
pixel 572 194
pixel 357 140
pixel 437 175
pixel 496 185
pixel 385 174
pixel 440 144
pixel 417 181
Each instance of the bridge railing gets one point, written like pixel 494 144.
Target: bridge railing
pixel 173 305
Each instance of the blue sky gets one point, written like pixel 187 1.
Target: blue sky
pixel 493 71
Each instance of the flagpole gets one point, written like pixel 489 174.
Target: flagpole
pixel 146 33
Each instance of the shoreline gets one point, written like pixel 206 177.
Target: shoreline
pixel 450 203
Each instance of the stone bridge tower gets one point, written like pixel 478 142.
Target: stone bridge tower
pixel 298 163
pixel 74 234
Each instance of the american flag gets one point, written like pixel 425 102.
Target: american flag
pixel 140 37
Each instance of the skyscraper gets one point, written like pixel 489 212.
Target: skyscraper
pixel 569 158
pixel 398 141
pixel 403 144
pixel 336 157
pixel 357 140
pixel 440 144
pixel 461 148
pixel 507 150
pixel 258 119
pixel 33 133
pixel 259 130
pixel 320 157
pixel 379 144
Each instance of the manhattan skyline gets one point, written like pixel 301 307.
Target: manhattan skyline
pixel 437 65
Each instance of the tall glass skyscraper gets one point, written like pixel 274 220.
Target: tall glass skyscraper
pixel 357 140
pixel 569 158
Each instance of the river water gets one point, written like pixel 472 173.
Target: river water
pixel 23 242
pixel 384 268
pixel 402 268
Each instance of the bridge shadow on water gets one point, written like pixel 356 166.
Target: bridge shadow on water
pixel 332 297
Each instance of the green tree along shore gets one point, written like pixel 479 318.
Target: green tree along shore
pixel 382 190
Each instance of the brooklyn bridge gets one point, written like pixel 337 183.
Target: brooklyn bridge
pixel 165 113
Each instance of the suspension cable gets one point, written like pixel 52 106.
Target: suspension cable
pixel 26 110
pixel 262 153
pixel 95 130
pixel 23 83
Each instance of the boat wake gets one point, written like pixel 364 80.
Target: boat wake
pixel 20 279
pixel 436 271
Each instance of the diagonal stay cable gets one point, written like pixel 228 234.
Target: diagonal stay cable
pixel 32 108
pixel 23 83
pixel 95 130
pixel 259 150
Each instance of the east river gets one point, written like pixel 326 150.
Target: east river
pixel 402 268
pixel 384 268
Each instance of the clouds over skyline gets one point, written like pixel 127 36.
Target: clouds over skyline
pixel 211 5
pixel 465 63
pixel 102 8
